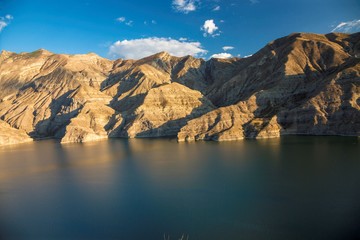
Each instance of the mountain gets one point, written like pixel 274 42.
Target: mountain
pixel 298 84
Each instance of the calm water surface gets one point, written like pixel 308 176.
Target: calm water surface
pixel 289 188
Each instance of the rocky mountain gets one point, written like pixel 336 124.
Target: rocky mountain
pixel 298 84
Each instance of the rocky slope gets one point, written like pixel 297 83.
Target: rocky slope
pixel 9 135
pixel 299 84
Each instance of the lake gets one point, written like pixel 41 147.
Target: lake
pixel 296 187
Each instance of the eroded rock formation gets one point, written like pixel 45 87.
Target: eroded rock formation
pixel 299 84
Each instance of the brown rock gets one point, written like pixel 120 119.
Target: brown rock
pixel 11 136
pixel 91 124
pixel 298 84
pixel 165 110
pixel 303 83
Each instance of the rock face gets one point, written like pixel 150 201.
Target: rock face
pixel 90 124
pixel 299 84
pixel 165 110
pixel 9 135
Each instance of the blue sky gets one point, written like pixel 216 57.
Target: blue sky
pixel 132 29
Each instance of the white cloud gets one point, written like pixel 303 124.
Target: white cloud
pixel 227 48
pixel 221 55
pixel 5 21
pixel 3 24
pixel 210 28
pixel 139 48
pixel 121 19
pixel 183 39
pixel 247 56
pixel 129 23
pixel 348 27
pixel 184 6
pixel 254 1
pixel 152 22
pixel 9 17
pixel 217 8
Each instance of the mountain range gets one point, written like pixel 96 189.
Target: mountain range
pixel 306 84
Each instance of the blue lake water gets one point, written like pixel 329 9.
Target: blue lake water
pixel 288 188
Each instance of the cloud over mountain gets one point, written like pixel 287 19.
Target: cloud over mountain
pixel 209 28
pixel 5 21
pixel 139 48
pixel 221 55
pixel 348 27
pixel 227 48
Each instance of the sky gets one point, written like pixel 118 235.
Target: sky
pixel 137 28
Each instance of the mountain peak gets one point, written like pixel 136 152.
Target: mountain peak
pixel 43 51
pixel 5 52
pixel 160 55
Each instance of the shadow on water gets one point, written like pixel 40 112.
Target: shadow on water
pixel 286 188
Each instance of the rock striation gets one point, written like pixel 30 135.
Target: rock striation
pixel 299 84
pixel 10 136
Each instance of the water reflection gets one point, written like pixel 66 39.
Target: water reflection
pixel 293 187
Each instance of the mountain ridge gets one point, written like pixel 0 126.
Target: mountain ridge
pixel 298 84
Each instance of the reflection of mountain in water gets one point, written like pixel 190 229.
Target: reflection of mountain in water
pixel 278 188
